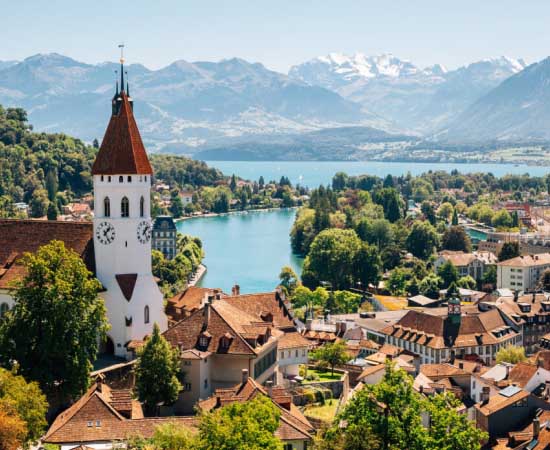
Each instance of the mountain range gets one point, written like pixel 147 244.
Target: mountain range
pixel 209 108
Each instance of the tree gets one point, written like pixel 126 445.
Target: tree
pixel 248 425
pixel 52 211
pixel 346 302
pixel 467 282
pixel 332 354
pixel 289 279
pixel 397 281
pixel 56 306
pixel 51 184
pixel 455 238
pixel 156 373
pixel 95 143
pixel 27 400
pixel 422 240
pixel 448 273
pixel 502 219
pixel 454 220
pixel 445 210
pixel 367 265
pixel 12 427
pixel 389 199
pixel 509 250
pixel 261 182
pixel 176 204
pixel 490 275
pixel 233 183
pixel 428 211
pixel 168 436
pixel 515 220
pixel 511 354
pixel 331 258
pixel 339 181
pixel 429 286
pixel 39 203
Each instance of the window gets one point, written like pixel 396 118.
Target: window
pixel 121 179
pixel 203 341
pixel 145 177
pixel 186 386
pixel 129 178
pixel 98 423
pixel 107 207
pixel 288 447
pixel 205 383
pixel 101 177
pixel 90 423
pixel 4 308
pixel 186 363
pixel 146 314
pixel 141 207
pixel 125 207
pixel 109 179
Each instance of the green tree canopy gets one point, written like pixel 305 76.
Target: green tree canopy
pixel 157 371
pixel 511 354
pixel 448 273
pixel 456 238
pixel 422 240
pixel 56 306
pixel 289 279
pixel 333 354
pixel 509 250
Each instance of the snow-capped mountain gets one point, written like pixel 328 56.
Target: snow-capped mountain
pixel 421 99
pixel 184 103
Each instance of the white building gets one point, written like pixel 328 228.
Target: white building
pixel 523 272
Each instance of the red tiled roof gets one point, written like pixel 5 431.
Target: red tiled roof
pixel 20 236
pixel 122 150
pixel 293 339
pixel 127 282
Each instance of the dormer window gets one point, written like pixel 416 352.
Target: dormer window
pixel 125 207
pixel 204 339
pixel 225 341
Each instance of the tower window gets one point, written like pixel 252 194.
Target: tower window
pixel 146 314
pixel 107 207
pixel 145 177
pixel 101 177
pixel 141 207
pixel 109 179
pixel 121 179
pixel 129 178
pixel 125 207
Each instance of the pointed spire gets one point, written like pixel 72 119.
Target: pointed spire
pixel 121 46
pixel 127 85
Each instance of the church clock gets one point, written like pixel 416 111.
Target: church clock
pixel 144 231
pixel 105 233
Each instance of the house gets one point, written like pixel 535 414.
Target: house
pixel 294 429
pixel 423 301
pixel 535 436
pixel 440 334
pixel 164 236
pixel 473 264
pixel 186 197
pixel 192 299
pixel 509 409
pixel 531 313
pixel 77 210
pixel 522 273
pixel 293 352
pixel 103 418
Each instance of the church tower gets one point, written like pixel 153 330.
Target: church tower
pixel 122 228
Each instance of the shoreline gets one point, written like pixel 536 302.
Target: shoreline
pixel 201 271
pixel 246 211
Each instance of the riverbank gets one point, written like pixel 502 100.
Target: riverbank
pixel 197 276
pixel 229 213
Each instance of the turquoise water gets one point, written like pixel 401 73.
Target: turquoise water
pixel 245 249
pixel 314 173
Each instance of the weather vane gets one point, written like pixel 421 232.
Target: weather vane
pixel 121 47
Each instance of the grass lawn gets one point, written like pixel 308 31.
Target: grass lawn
pixel 324 412
pixel 323 376
pixel 392 303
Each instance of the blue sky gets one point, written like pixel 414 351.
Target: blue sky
pixel 277 33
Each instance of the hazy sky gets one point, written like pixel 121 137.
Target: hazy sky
pixel 278 33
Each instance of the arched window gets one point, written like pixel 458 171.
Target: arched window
pixel 4 308
pixel 129 178
pixel 107 207
pixel 121 179
pixel 109 179
pixel 125 207
pixel 141 207
pixel 146 314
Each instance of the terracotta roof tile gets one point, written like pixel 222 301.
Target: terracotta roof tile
pixel 293 339
pixel 521 373
pixel 258 305
pixel 122 150
pixel 20 236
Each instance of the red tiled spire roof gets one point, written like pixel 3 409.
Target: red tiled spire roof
pixel 122 150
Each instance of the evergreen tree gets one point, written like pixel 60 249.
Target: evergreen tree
pixel 261 182
pixel 51 184
pixel 515 220
pixel 388 181
pixel 176 204
pixel 56 305
pixel 448 273
pixel 156 373
pixel 454 220
pixel 509 250
pixel 233 183
pixel 52 211
pixel 95 143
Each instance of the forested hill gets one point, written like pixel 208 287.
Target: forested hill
pixel 48 170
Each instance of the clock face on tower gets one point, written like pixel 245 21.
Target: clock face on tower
pixel 105 233
pixel 144 231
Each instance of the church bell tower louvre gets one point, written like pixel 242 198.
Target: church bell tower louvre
pixel 122 228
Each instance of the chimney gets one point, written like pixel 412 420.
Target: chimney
pixel 245 375
pixel 269 385
pixel 236 290
pixel 534 296
pixel 206 314
pixel 461 365
pixel 485 392
pixel 536 427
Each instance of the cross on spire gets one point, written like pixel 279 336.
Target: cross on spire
pixel 121 46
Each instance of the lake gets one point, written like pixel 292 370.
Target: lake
pixel 245 249
pixel 314 173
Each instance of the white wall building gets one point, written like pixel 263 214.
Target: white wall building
pixel 523 272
